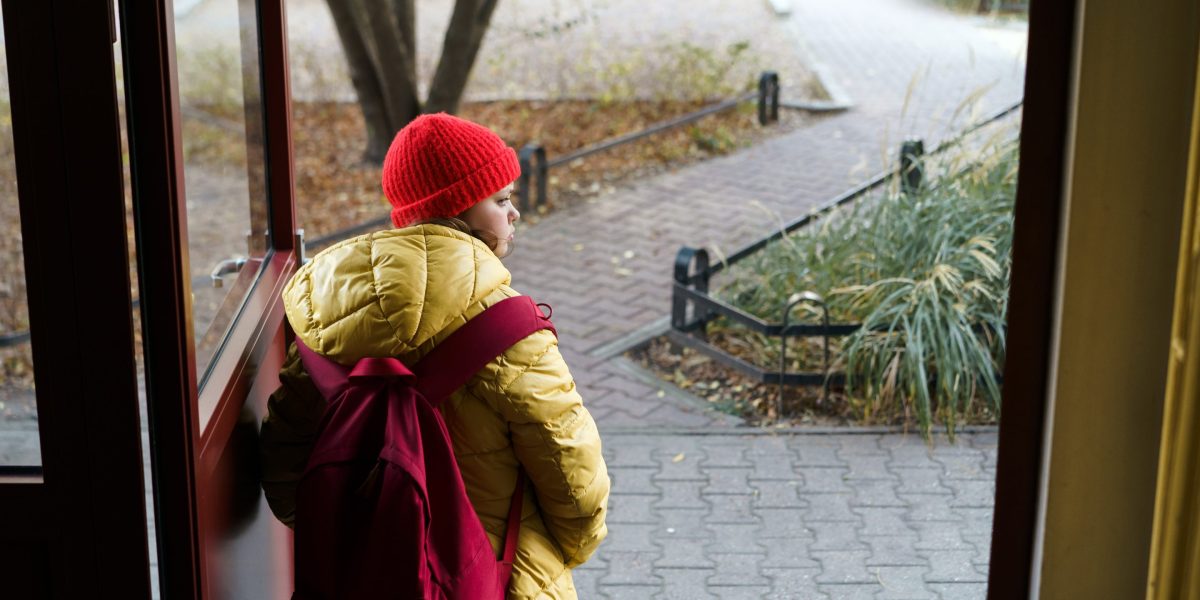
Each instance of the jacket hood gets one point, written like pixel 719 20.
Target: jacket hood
pixel 389 292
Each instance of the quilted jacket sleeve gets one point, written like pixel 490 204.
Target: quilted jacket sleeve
pixel 555 438
pixel 288 433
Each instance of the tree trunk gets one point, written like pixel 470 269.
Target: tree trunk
pixel 366 85
pixel 378 37
pixel 378 42
pixel 465 34
pixel 395 66
pixel 406 17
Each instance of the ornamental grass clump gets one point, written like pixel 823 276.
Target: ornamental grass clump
pixel 925 273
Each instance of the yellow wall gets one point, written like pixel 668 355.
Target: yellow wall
pixel 1136 64
pixel 1175 554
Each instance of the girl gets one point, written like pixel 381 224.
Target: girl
pixel 399 293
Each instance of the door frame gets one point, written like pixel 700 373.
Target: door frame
pixel 1038 218
pixel 77 523
pixel 190 487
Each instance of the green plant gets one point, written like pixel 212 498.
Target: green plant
pixel 926 273
pixel 670 71
pixel 617 80
pixel 210 78
pixel 717 141
pixel 316 76
pixel 213 109
pixel 700 73
pixel 992 7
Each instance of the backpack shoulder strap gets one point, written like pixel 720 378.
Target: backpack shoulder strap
pixel 472 346
pixel 463 354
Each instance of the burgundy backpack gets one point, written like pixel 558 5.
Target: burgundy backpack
pixel 381 511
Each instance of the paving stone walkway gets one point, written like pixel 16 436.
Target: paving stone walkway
pixel 795 516
pixel 700 507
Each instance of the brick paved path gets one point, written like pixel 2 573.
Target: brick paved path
pixel 605 266
pixel 795 516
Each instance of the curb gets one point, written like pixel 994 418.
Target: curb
pixel 676 393
pixel 781 8
pixel 611 352
pixel 748 430
pixel 637 337
pixel 838 98
pixel 817 106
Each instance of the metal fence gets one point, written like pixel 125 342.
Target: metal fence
pixel 693 272
pixel 535 166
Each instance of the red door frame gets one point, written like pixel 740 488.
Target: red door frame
pixel 77 524
pixel 200 474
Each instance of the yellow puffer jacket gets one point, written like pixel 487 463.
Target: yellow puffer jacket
pixel 399 293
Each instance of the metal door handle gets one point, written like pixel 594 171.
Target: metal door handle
pixel 226 267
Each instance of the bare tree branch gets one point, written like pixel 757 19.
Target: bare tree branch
pixel 468 24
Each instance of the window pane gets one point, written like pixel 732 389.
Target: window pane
pixel 19 441
pixel 217 53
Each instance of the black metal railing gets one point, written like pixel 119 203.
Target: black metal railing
pixel 535 166
pixel 693 272
pixel 14 339
pixel 1003 6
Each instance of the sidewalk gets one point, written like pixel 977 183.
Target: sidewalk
pixel 702 508
pixel 795 516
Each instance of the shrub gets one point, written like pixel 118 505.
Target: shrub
pixel 926 273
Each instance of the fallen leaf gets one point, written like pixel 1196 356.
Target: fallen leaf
pixel 577 247
pixel 660 393
pixel 678 458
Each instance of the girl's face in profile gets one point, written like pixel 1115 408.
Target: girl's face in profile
pixel 494 216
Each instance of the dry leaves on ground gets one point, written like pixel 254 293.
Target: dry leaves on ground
pixel 730 391
pixel 335 189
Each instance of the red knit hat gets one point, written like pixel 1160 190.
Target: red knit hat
pixel 440 165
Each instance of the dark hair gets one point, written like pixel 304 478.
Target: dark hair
pixel 458 224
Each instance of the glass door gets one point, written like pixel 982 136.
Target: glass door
pixel 20 449
pixel 210 162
